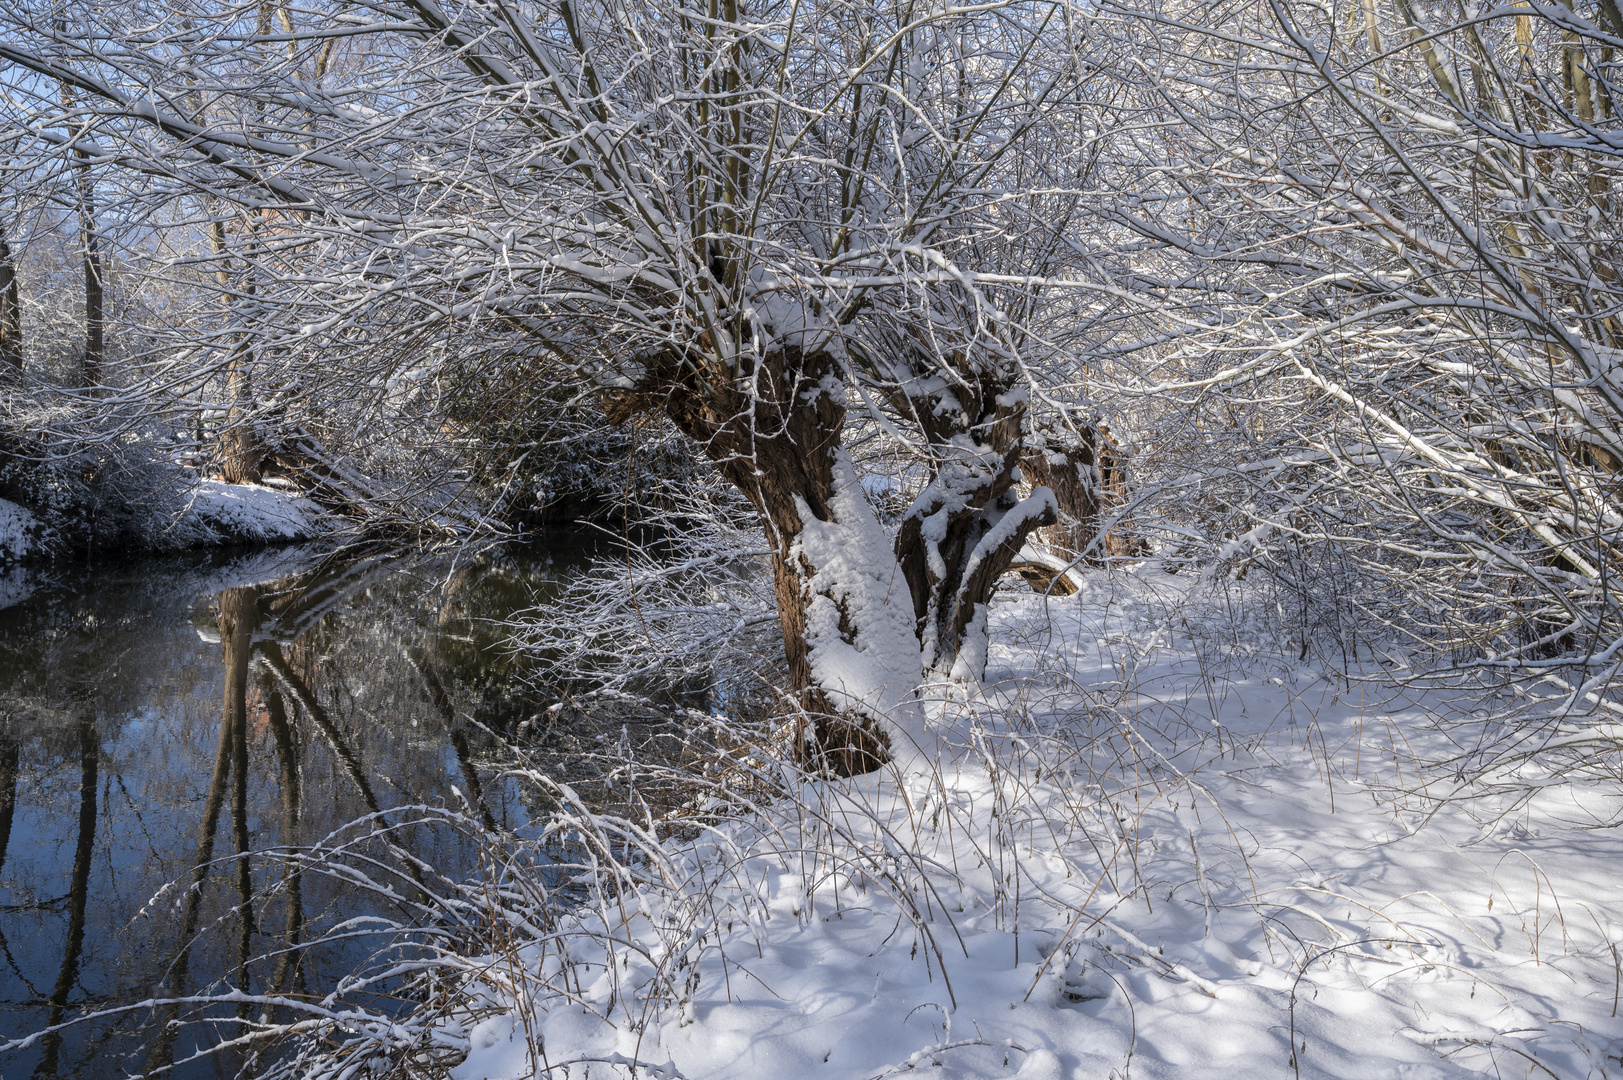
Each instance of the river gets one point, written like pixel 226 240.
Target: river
pixel 160 716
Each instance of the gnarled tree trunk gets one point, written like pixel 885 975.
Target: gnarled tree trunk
pixel 964 530
pixel 848 630
pixel 1087 474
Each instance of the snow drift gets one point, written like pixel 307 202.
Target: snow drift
pixel 217 512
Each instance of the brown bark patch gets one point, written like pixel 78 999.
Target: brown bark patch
pixel 1043 579
pixel 1087 472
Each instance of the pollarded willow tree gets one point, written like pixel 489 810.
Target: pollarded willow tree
pixel 745 217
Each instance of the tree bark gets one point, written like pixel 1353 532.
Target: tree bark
pixel 11 314
pixel 964 530
pixel 774 431
pixel 242 452
pixel 95 354
pixel 1088 477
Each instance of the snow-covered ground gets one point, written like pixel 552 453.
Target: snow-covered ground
pixel 203 514
pixel 217 512
pixel 19 531
pixel 1146 850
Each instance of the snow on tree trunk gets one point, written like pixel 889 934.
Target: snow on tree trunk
pixel 965 528
pixel 862 653
pixel 774 428
pixel 1085 472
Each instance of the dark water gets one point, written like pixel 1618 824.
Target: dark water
pixel 159 716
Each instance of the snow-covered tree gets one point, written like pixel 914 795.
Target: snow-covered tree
pixel 744 217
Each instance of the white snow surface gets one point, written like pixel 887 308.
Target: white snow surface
pixel 859 620
pixel 1146 850
pixel 217 512
pixel 18 529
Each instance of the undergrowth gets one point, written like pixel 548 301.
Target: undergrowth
pixel 1080 803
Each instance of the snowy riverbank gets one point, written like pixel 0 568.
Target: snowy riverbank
pixel 19 532
pixel 221 513
pixel 205 513
pixel 1142 852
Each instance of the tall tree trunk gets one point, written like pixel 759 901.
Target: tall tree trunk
pixel 95 354
pixel 241 451
pixel 92 360
pixel 848 630
pixel 11 314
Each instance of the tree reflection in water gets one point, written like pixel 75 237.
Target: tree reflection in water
pixel 78 894
pixel 310 690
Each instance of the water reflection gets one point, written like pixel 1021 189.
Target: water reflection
pixel 163 721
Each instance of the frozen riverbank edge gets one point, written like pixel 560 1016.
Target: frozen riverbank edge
pixel 208 513
pixel 1145 849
